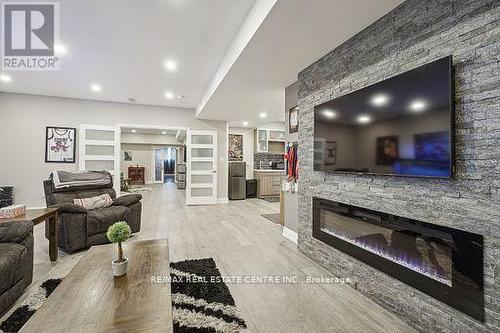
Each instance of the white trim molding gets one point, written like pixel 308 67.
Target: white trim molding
pixel 222 200
pixel 290 235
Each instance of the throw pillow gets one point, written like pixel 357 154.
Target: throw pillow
pixel 101 201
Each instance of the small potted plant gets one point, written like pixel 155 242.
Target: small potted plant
pixel 119 233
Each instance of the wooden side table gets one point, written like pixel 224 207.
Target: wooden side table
pixel 48 215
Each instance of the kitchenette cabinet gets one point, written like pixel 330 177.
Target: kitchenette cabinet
pixel 269 140
pixel 268 182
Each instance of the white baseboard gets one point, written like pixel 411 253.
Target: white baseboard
pixel 222 200
pixel 290 235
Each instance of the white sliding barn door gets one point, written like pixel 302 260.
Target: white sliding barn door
pixel 201 168
pixel 100 150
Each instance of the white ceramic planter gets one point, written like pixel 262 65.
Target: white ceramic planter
pixel 120 268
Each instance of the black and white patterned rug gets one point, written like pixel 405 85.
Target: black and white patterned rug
pixel 201 301
pixel 28 307
pixel 201 307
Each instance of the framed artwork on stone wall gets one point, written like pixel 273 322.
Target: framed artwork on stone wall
pixel 60 144
pixel 235 147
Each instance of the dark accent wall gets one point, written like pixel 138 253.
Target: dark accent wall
pixel 415 33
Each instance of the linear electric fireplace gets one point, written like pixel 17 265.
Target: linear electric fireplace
pixel 442 262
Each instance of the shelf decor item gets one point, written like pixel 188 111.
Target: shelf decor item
pixel 60 144
pixel 11 212
pixel 119 233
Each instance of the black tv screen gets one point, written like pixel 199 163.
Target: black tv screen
pixel 401 126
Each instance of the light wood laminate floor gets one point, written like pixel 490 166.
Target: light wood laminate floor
pixel 243 242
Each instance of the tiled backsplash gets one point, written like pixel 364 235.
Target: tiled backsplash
pixel 266 159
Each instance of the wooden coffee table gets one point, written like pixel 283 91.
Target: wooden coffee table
pixel 90 299
pixel 38 216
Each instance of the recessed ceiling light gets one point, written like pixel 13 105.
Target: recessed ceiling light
pixel 263 115
pixel 95 87
pixel 179 97
pixel 133 131
pixel 364 119
pixel 380 100
pixel 169 95
pixel 164 132
pixel 5 78
pixel 170 65
pixel 329 113
pixel 418 105
pixel 245 123
pixel 60 50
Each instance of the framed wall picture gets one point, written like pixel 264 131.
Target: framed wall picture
pixel 60 144
pixel 127 155
pixel 293 120
pixel 387 150
pixel 235 147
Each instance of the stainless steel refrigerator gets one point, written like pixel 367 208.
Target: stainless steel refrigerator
pixel 237 180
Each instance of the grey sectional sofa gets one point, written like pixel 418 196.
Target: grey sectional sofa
pixel 78 228
pixel 16 261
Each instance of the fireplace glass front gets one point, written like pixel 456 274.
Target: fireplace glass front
pixel 443 262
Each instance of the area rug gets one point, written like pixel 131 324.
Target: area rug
pixel 141 189
pixel 272 198
pixel 198 307
pixel 28 307
pixel 201 301
pixel 36 295
pixel 275 218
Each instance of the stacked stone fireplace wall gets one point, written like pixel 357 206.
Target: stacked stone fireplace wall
pixel 415 33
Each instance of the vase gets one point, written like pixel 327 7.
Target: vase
pixel 120 268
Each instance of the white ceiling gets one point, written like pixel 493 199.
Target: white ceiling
pixel 234 57
pixel 123 44
pixel 294 34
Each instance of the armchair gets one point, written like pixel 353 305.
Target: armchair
pixel 79 228
pixel 16 261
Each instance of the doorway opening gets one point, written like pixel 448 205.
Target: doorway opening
pixel 149 156
pixel 165 161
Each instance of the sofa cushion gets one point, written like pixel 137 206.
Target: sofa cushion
pixel 99 220
pixel 100 201
pixel 15 231
pixel 11 254
pixel 127 200
pixel 70 196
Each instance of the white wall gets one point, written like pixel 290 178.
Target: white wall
pixel 142 156
pixel 291 199
pixel 149 139
pixel 280 125
pixel 248 147
pixel 23 119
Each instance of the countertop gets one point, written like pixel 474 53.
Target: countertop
pixel 269 170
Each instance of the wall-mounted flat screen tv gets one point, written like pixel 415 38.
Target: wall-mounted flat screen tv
pixel 401 126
